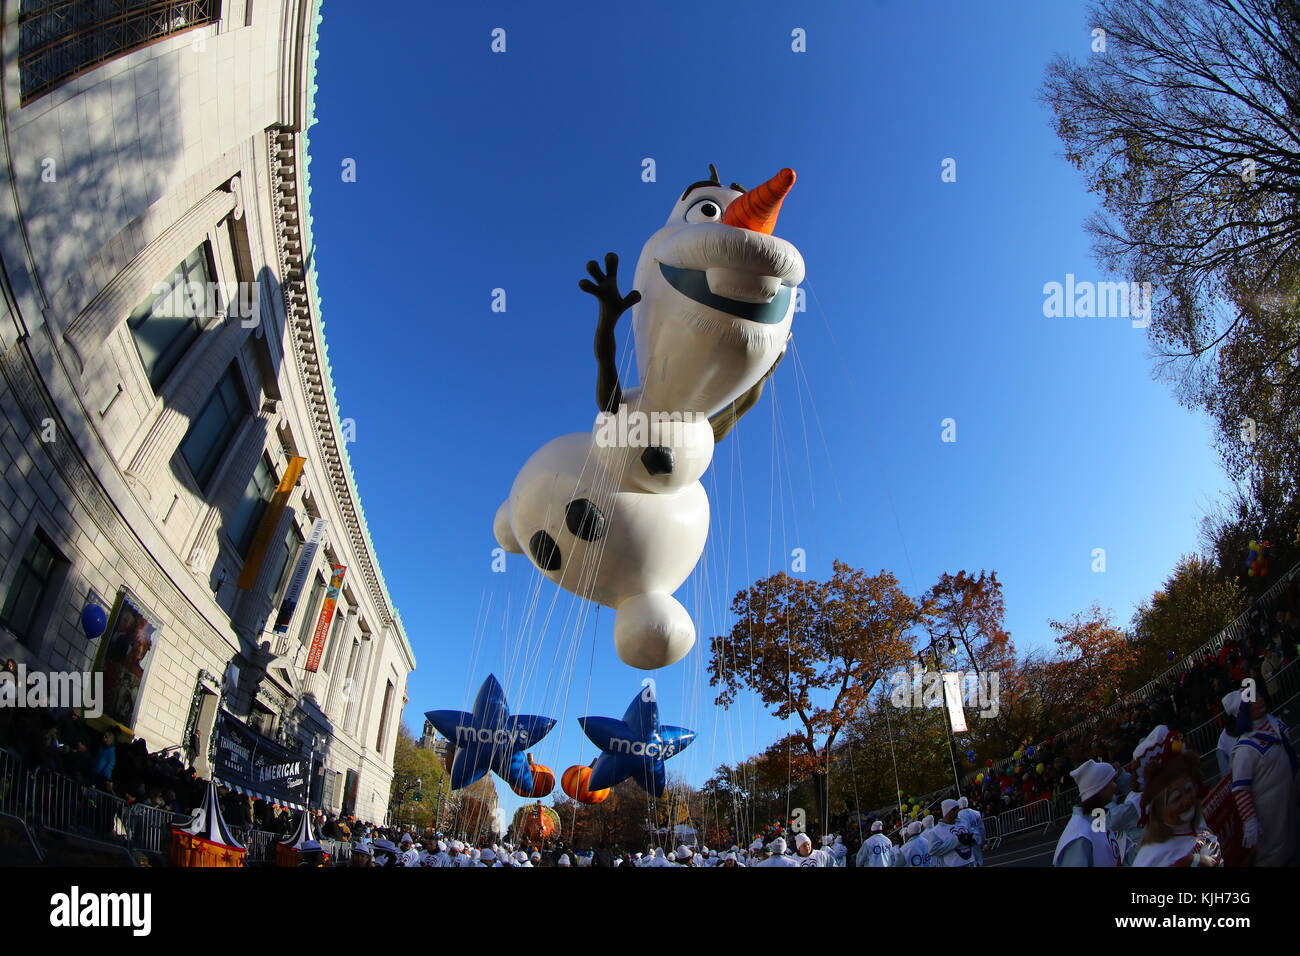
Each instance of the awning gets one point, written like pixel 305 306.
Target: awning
pixel 251 764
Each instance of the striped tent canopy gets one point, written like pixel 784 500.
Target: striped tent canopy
pixel 258 795
pixel 207 823
pixel 303 834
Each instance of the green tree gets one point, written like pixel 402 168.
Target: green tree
pixel 1195 603
pixel 420 783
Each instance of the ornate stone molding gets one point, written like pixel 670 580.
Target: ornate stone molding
pixel 308 350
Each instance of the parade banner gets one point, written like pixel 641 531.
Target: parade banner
pixel 323 622
pixel 250 763
pixel 1221 816
pixel 300 572
pixel 952 697
pixel 270 520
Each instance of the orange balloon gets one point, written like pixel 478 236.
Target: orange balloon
pixel 574 783
pixel 543 781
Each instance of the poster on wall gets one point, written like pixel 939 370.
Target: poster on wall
pixel 124 657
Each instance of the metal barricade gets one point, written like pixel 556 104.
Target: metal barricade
pixel 15 797
pixel 261 846
pixel 149 828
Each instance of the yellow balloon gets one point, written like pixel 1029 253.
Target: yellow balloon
pixel 1039 768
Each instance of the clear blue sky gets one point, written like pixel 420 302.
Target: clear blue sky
pixel 478 170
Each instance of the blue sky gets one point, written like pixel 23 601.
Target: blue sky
pixel 478 171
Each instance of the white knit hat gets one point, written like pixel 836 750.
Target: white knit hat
pixel 963 803
pixel 947 807
pixel 801 838
pixel 777 846
pixel 877 827
pixel 1092 778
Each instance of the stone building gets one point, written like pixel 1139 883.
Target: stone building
pixel 164 381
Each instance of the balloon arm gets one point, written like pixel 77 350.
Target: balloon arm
pixel 609 394
pixel 726 419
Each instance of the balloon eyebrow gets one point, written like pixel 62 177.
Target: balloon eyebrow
pixel 714 181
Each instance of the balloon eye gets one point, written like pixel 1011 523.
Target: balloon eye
pixel 706 210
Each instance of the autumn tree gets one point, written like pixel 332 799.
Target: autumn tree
pixel 1092 661
pixel 420 783
pixel 814 651
pixel 1195 603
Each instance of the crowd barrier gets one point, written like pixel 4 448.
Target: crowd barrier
pixel 261 847
pixel 45 801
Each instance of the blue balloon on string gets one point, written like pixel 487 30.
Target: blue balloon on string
pixel 94 621
pixel 491 738
pixel 1029 751
pixel 635 746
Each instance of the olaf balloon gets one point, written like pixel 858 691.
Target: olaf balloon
pixel 618 515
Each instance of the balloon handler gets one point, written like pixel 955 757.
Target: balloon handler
pixel 618 515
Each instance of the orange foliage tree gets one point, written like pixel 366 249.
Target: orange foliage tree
pixel 814 650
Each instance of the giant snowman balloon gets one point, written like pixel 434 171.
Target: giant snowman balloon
pixel 618 515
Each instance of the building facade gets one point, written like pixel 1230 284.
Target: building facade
pixel 170 445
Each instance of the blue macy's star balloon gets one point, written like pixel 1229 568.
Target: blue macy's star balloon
pixel 635 746
pixel 490 738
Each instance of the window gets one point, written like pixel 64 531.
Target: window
pixel 289 552
pixel 166 324
pixel 248 513
pixel 308 625
pixel 213 428
pixel 383 717
pixel 59 39
pixel 32 585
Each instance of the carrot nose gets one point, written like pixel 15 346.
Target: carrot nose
pixel 757 209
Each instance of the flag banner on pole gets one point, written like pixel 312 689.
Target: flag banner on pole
pixel 326 615
pixel 270 521
pixel 300 572
pixel 952 697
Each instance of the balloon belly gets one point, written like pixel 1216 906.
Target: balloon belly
pixel 594 538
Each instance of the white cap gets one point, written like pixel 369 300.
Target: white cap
pixel 913 829
pixel 801 838
pixel 406 838
pixel 962 803
pixel 877 827
pixel 521 856
pixel 475 854
pixel 948 806
pixel 487 855
pixel 1092 778
pixel 682 853
pixel 535 856
pixel 441 846
pixel 563 860
pixel 777 846
pixel 1232 702
pixel 928 822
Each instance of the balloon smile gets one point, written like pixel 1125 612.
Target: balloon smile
pixel 694 284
